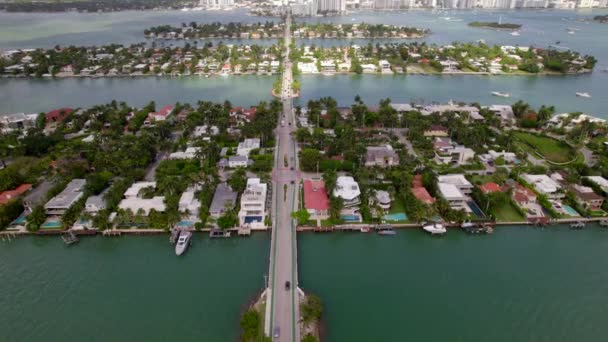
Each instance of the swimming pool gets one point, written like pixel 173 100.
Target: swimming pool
pixel 185 224
pixel 570 211
pixel 395 217
pixel 21 220
pixel 350 218
pixel 51 225
pixel 475 209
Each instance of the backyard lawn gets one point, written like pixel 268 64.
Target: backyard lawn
pixel 553 150
pixel 507 213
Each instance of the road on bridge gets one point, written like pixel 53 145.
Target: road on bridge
pixel 284 299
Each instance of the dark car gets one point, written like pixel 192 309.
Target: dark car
pixel 287 285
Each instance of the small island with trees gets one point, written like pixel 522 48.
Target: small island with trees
pixel 271 29
pixel 495 25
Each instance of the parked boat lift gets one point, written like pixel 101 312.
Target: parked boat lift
pixel 69 238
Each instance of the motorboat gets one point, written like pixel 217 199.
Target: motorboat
pixel 385 229
pixel 499 94
pixel 365 230
pixel 515 33
pixel 182 242
pixel 577 225
pixel 219 233
pixel 435 228
pixel 604 223
pixel 581 94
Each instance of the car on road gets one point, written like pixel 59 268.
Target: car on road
pixel 287 285
pixel 277 332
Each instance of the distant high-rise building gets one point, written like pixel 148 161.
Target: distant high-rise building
pixel 584 3
pixel 332 6
pixel 216 3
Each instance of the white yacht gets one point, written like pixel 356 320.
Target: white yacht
pixel 435 228
pixel 499 94
pixel 182 242
pixel 579 94
pixel 515 33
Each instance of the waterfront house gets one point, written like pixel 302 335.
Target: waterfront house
pixel 58 115
pixel 188 203
pixel 253 204
pixel 9 195
pixel 245 147
pixel 381 199
pixel 201 131
pixel 161 115
pixel 545 185
pixel 95 204
pixel 224 199
pixel 316 200
pixel 385 67
pixel 586 197
pixel 526 199
pixel 382 156
pixel 59 204
pixel 136 203
pixel 452 194
pixel 492 156
pixel 504 113
pixel 459 181
pixel 436 131
pixel 17 121
pixel 348 190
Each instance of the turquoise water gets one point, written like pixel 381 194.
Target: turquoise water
pixel 350 218
pixel 570 210
pixel 128 288
pixel 395 217
pixel 50 224
pixel 185 224
pixel 518 284
pixel 20 220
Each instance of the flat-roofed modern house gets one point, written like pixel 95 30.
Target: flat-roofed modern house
pixel 348 190
pixel 95 204
pixel 135 202
pixel 455 197
pixel 544 184
pixel 188 203
pixel 224 199
pixel 65 199
pixel 382 156
pixel 247 146
pixel 316 200
pixel 253 204
pixel 457 180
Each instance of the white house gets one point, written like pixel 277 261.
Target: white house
pixel 247 146
pixel 134 202
pixel 253 204
pixel 600 181
pixel 544 185
pixel 95 204
pixel 237 161
pixel 452 194
pixel 348 190
pixel 188 203
pixel 189 153
pixel 459 181
pixel 65 199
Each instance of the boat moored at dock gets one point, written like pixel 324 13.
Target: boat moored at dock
pixel 385 229
pixel 183 242
pixel 577 225
pixel 434 228
pixel 219 233
pixel 604 223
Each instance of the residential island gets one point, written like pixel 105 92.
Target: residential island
pixel 271 29
pixel 227 59
pixel 495 25
pixel 116 167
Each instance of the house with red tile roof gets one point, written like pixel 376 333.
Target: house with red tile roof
pixel 243 114
pixel 58 115
pixel 160 115
pixel 490 187
pixel 420 192
pixel 316 200
pixel 10 195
